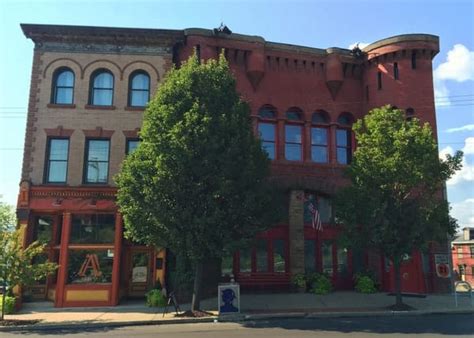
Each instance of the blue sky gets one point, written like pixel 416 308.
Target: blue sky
pixel 311 23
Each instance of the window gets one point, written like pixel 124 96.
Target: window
pixel 93 229
pixel 278 255
pixel 63 86
pixel 262 256
pixel 319 138
pixel 413 60
pixel 102 88
pixel 90 266
pixel 267 136
pixel 379 80
pixel 56 166
pixel 97 161
pixel 132 144
pixel 471 248
pixel 293 137
pixel 321 203
pixel 245 261
pixel 139 94
pixel 327 248
pixel 395 71
pixel 267 130
pixel 343 140
pixel 459 250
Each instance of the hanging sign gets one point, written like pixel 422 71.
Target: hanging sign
pixel 442 266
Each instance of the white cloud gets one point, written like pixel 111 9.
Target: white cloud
pixel 466 174
pixel 362 45
pixel 464 212
pixel 459 67
pixel 467 127
pixel 469 146
pixel 445 151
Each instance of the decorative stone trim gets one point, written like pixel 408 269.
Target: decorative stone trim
pixel 62 106
pixel 59 132
pixel 131 133
pixel 68 193
pixel 91 106
pixel 98 132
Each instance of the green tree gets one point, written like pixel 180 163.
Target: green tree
pixel 16 267
pixel 394 203
pixel 197 182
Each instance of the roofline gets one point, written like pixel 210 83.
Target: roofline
pixel 416 37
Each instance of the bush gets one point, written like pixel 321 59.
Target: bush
pixel 9 304
pixel 320 284
pixel 155 298
pixel 299 281
pixel 364 283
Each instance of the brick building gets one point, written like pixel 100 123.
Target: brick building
pixel 89 86
pixel 463 255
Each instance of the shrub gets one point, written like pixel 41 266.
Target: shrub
pixel 299 281
pixel 364 283
pixel 9 304
pixel 155 298
pixel 321 284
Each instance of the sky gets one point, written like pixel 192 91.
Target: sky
pixel 321 24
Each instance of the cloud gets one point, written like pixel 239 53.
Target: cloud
pixel 467 127
pixel 464 212
pixel 459 67
pixel 466 174
pixel 362 45
pixel 468 146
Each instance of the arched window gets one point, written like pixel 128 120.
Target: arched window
pixel 319 137
pixel 344 139
pixel 63 86
pixel 139 89
pixel 267 130
pixel 410 114
pixel 102 88
pixel 293 135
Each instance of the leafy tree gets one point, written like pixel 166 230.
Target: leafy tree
pixel 16 267
pixel 394 203
pixel 197 182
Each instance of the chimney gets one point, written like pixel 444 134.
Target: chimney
pixel 466 234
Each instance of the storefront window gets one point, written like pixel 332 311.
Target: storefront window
pixel 262 261
pixel 278 255
pixel 43 230
pixel 92 229
pixel 327 258
pixel 309 256
pixel 90 266
pixel 342 261
pixel 245 261
pixel 140 267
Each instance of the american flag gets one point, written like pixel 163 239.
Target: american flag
pixel 315 217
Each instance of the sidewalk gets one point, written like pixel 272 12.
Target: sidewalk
pixel 253 307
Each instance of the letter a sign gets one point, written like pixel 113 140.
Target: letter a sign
pixel 91 262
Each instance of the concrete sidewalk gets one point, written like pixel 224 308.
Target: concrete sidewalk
pixel 253 306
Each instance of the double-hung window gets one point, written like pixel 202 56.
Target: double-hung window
pixel 102 88
pixel 139 91
pixel 293 136
pixel 319 137
pixel 63 86
pixel 132 144
pixel 97 161
pixel 344 140
pixel 267 130
pixel 56 166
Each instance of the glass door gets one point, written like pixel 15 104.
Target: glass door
pixel 140 273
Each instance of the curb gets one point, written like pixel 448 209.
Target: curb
pixel 233 319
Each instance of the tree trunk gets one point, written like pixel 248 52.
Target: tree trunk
pixel 196 302
pixel 398 283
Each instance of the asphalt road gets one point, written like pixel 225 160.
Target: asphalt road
pixel 419 326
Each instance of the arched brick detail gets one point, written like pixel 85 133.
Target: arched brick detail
pixel 102 63
pixel 98 132
pixel 63 62
pixel 139 65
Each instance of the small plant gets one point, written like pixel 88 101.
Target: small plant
pixel 364 283
pixel 321 284
pixel 299 281
pixel 9 304
pixel 155 298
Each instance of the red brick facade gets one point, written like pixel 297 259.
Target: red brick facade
pixel 304 99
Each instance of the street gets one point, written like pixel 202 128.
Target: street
pixel 400 326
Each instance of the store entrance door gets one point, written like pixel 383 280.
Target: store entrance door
pixel 140 272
